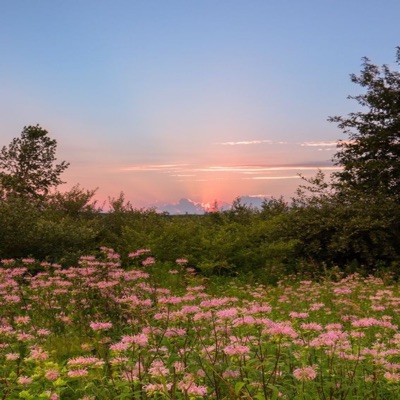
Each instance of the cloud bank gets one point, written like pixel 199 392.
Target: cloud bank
pixel 187 206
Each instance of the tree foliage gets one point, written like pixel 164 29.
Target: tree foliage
pixel 354 219
pixel 27 165
pixel 371 156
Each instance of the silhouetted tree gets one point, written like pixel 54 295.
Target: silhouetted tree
pixel 27 165
pixel 371 157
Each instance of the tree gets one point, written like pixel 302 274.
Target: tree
pixel 355 218
pixel 371 157
pixel 27 165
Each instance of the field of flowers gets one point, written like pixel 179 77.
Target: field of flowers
pixel 96 331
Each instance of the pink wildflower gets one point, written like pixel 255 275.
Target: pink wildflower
pixel 43 332
pixel 119 360
pixel 12 356
pixel 8 261
pixel 24 380
pixel 342 291
pixel 113 256
pixel 333 327
pixel 300 315
pixel 158 368
pixel 98 326
pixel 170 300
pixel 196 288
pixel 179 367
pixel 138 253
pixel 157 387
pixel 28 260
pixel 305 374
pixel 392 376
pixel 259 309
pixel 329 338
pixel 202 316
pixel 236 350
pixel 148 261
pixel 87 258
pixel 22 320
pixel 312 326
pixel 378 308
pixel 37 353
pixel 231 374
pixel 190 309
pixel 140 339
pixel 120 346
pixel 357 334
pixel 81 360
pixel 282 329
pixel 316 306
pixel 77 373
pixel 10 298
pixel 191 389
pixel 24 337
pixel 174 332
pixel 52 375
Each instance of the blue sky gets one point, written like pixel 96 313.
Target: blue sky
pixel 204 100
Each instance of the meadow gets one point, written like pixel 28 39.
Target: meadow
pixel 163 331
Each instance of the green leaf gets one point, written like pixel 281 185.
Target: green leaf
pixel 239 386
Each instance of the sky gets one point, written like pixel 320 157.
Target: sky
pixel 203 101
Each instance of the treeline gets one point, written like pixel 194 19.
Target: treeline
pixel 349 220
pixel 306 236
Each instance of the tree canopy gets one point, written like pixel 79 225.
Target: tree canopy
pixel 27 165
pixel 371 156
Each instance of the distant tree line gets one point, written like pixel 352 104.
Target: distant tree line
pixel 349 220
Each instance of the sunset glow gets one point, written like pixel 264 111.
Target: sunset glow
pixel 188 100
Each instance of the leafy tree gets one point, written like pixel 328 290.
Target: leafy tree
pixel 371 157
pixel 274 207
pixel 27 165
pixel 44 233
pixel 77 202
pixel 354 219
pixel 18 220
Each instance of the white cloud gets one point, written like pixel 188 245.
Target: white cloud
pixel 246 169
pixel 332 144
pixel 319 144
pixel 182 175
pixel 259 196
pixel 183 206
pixel 245 142
pixel 154 167
pixel 274 177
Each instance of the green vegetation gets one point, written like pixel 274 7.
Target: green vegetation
pixel 26 165
pixel 157 331
pixel 350 220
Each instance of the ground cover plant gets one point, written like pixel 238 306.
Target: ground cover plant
pixel 161 331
